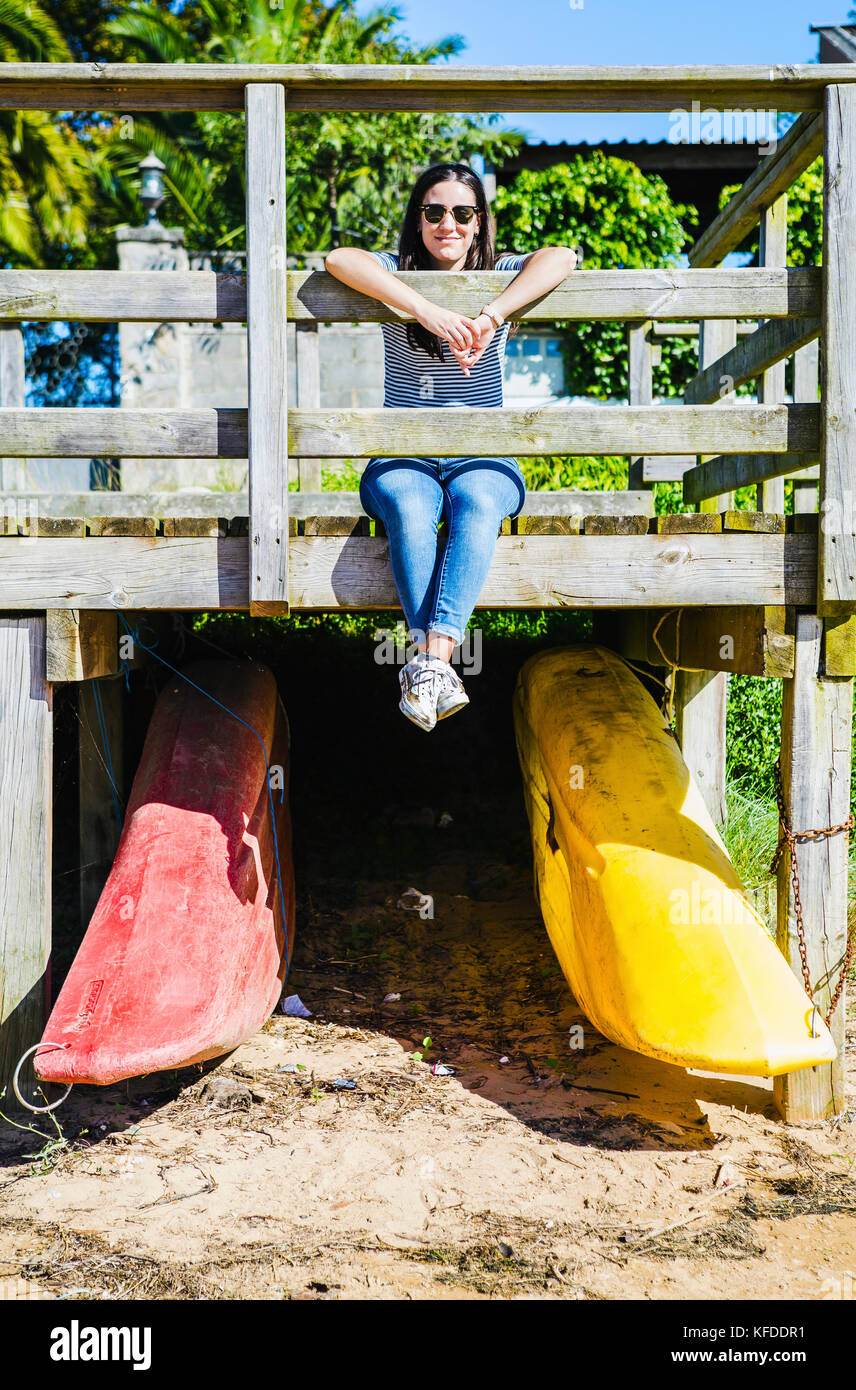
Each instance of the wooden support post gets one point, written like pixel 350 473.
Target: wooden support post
pixel 308 364
pixel 806 376
pixel 26 758
pixel 701 697
pixel 815 762
pixel 267 412
pixel 13 471
pixel 82 644
pixel 700 705
pixel 640 387
pixel 99 826
pixel 773 251
pixel 715 338
pixel 836 550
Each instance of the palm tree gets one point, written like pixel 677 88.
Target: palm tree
pixel 45 184
pixel 348 172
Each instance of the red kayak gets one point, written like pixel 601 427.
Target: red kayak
pixel 186 953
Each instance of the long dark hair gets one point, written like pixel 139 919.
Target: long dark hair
pixel 412 254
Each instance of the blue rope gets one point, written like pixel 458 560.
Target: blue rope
pixel 134 635
pixel 108 758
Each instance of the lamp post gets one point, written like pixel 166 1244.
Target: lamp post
pixel 152 191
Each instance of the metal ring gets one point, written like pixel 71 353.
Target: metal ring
pixel 39 1109
pixel 814 1010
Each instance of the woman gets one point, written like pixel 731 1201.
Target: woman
pixel 443 359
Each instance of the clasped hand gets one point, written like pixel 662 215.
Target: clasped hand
pixel 468 338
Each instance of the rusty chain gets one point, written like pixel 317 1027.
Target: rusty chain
pixel 791 838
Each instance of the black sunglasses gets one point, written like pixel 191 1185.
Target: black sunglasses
pixel 435 212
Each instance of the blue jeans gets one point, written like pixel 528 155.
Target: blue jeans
pixel 438 587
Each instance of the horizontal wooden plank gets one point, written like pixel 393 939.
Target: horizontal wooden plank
pixel 583 295
pixel 724 474
pixel 577 571
pixel 207 505
pixel 549 429
pixel 799 148
pixel 761 639
pixel 667 468
pixel 78 432
pixel 771 343
pixel 577 430
pixel 415 87
pixel 352 572
pixel 108 296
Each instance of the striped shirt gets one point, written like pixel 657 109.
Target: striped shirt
pixel 412 377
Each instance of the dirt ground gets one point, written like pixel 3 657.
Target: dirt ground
pixel 533 1171
pixel 538 1170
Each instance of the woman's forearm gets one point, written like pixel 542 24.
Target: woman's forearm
pixel 546 268
pixel 362 272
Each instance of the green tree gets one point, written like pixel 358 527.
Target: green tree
pixel 349 173
pixel 623 219
pixel 805 217
pixel 45 197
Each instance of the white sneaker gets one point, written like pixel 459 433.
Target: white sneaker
pixel 453 696
pixel 422 683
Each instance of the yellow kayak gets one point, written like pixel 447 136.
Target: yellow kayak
pixel 652 928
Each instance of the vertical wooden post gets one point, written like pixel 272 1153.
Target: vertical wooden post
pixel 773 251
pixel 815 762
pixel 308 366
pixel 26 759
pixel 715 338
pixel 640 387
pixel 836 549
pixel 700 708
pixel 13 472
pixel 266 347
pixel 806 375
pixel 99 826
pixel 701 697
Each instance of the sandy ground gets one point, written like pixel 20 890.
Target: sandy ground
pixel 535 1171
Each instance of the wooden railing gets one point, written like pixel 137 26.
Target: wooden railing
pixel 736 443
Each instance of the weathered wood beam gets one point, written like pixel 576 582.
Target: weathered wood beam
pixel 770 388
pixel 836 580
pixel 716 337
pixel 99 827
pixel 26 757
pixel 747 641
pixel 414 87
pixel 551 502
pixel 755 353
pixel 799 148
pixel 806 379
pixel 576 430
pixel 12 393
pixel 701 698
pixel 204 296
pixel 720 475
pixel 81 646
pixel 81 432
pixel 353 572
pixel 815 760
pixel 108 296
pixel 74 432
pixel 267 414
pixel 584 294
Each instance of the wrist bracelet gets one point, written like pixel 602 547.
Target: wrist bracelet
pixel 495 317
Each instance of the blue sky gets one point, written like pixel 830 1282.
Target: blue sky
pixel 618 31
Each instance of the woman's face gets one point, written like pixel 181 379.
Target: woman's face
pixel 448 242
